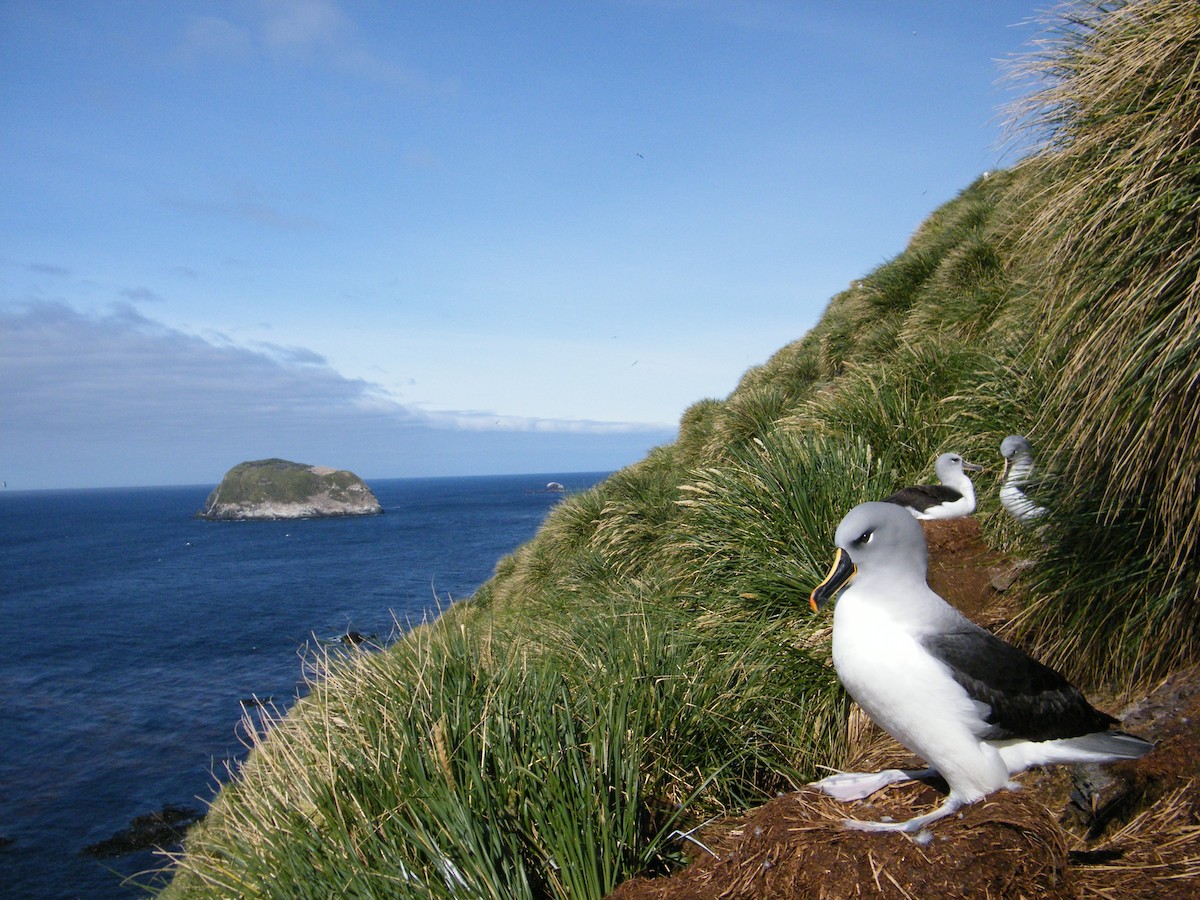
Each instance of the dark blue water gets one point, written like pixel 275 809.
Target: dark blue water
pixel 132 631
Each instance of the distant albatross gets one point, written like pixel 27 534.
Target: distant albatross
pixel 1018 471
pixel 976 709
pixel 952 499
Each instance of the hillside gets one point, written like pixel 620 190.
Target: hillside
pixel 647 663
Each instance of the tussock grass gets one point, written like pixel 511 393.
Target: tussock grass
pixel 493 764
pixel 895 286
pixel 836 336
pixel 894 407
pixel 794 369
pixel 697 427
pixel 638 518
pixel 757 533
pixel 1121 223
pixel 965 294
pixel 1115 226
pixel 428 775
pixel 749 415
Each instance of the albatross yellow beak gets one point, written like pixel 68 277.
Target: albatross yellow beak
pixel 840 573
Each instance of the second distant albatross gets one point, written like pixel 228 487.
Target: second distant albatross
pixel 1018 483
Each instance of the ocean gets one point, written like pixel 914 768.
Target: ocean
pixel 135 635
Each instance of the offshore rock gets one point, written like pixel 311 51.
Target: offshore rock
pixel 278 489
pixel 165 827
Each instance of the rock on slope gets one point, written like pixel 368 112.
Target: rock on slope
pixel 278 489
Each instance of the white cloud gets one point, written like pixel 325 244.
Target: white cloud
pixel 304 24
pixel 94 393
pixel 311 33
pixel 487 421
pixel 319 32
pixel 61 366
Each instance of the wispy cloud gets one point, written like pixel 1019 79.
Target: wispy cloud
pixel 213 36
pixel 314 33
pixel 489 421
pixel 140 295
pixel 40 268
pixel 319 31
pixel 305 25
pixel 247 202
pixel 293 356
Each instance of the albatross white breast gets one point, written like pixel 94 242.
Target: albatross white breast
pixel 952 499
pixel 976 709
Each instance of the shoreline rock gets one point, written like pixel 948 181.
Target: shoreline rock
pixel 163 828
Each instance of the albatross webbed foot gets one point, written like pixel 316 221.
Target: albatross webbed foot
pixel 911 826
pixel 857 785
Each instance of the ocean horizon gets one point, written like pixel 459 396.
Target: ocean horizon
pixel 142 640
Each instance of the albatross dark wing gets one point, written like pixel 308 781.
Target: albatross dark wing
pixel 924 496
pixel 1027 699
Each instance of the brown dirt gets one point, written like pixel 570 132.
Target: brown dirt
pixel 1127 830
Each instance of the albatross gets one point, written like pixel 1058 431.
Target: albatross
pixel 976 709
pixel 952 499
pixel 1018 470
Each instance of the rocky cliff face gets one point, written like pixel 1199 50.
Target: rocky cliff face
pixel 278 489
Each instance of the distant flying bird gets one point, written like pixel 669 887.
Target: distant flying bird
pixel 1018 469
pixel 976 709
pixel 952 499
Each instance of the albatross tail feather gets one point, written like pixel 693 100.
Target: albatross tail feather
pixel 1103 746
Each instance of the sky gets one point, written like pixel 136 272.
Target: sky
pixel 448 238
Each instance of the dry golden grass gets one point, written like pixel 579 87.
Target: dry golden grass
pixel 1118 228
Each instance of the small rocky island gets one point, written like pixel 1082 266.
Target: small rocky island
pixel 278 489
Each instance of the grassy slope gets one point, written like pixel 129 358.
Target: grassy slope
pixel 648 659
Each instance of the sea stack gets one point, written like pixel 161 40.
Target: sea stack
pixel 278 489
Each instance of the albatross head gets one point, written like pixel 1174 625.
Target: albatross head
pixel 874 538
pixel 1013 447
pixel 1014 444
pixel 950 465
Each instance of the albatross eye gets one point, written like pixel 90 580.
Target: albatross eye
pixel 864 538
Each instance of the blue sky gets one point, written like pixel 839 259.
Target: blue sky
pixel 433 238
